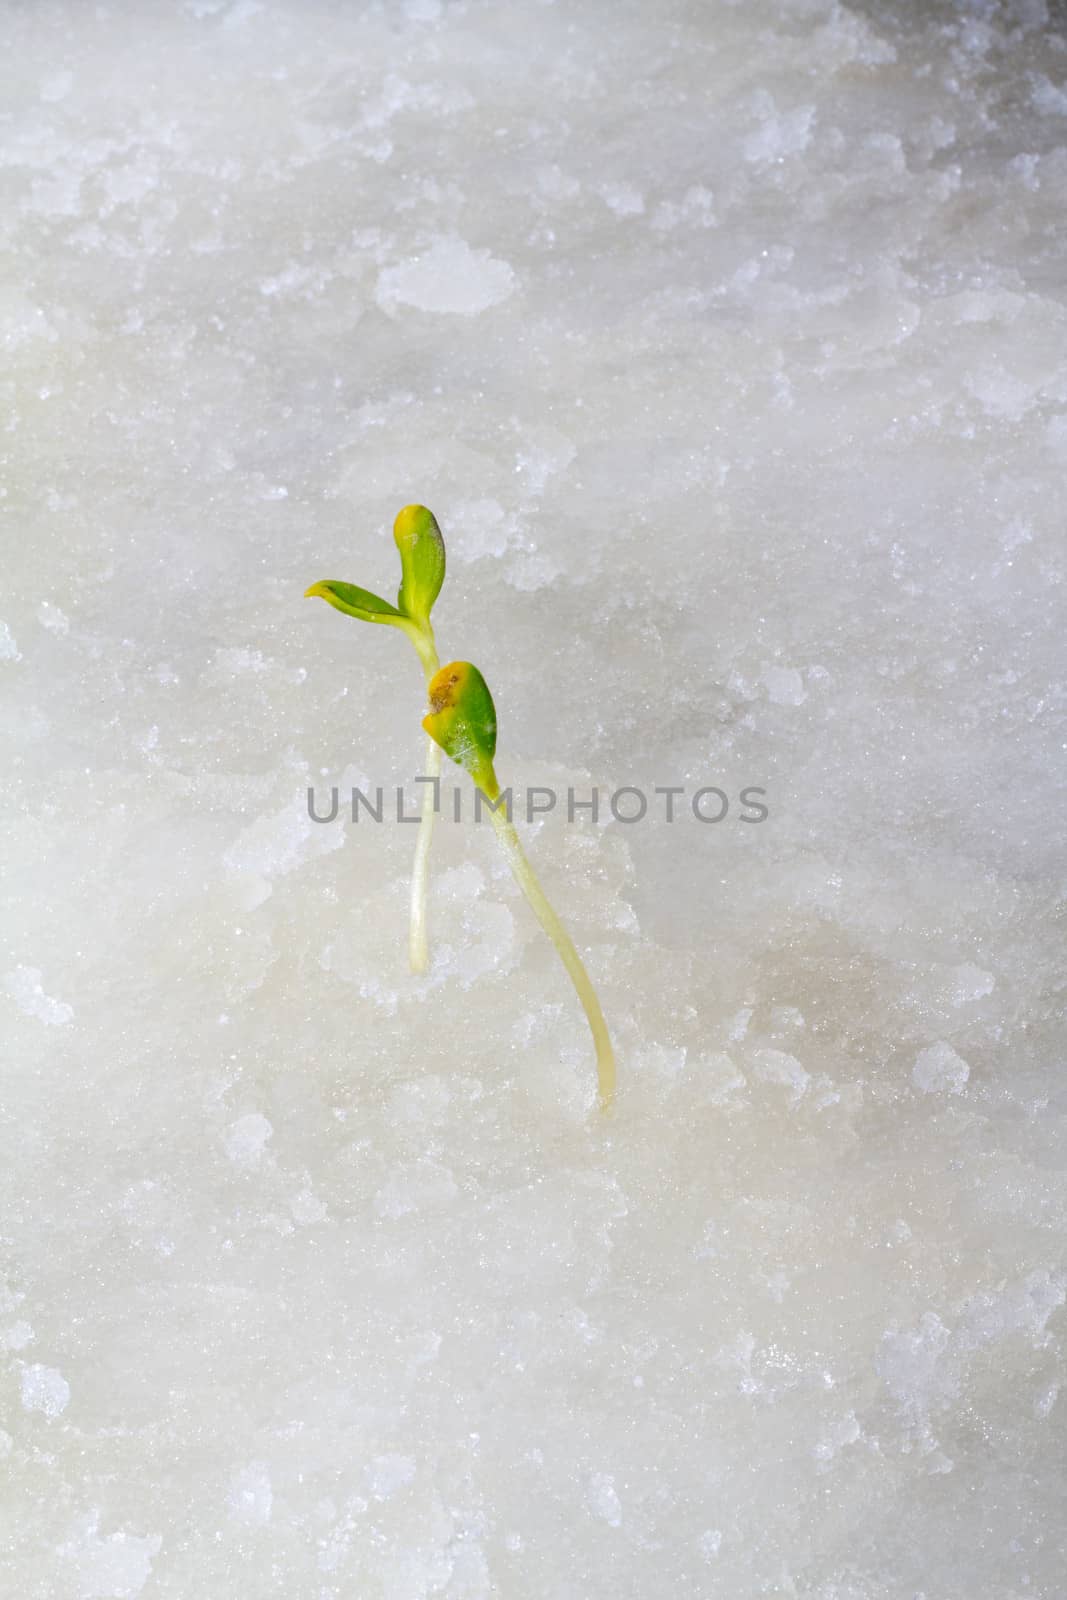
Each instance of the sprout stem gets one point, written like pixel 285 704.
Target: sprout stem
pixel 418 946
pixel 531 888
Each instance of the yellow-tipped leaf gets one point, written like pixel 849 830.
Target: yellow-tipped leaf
pixel 462 720
pixel 422 561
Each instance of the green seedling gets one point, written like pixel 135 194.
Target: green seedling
pixel 422 564
pixel 462 720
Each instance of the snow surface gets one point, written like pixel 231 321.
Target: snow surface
pixel 728 341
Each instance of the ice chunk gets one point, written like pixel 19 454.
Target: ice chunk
pixel 971 983
pixel 113 1566
pixel 251 1497
pixel 604 1500
pixel 26 988
pixel 247 1139
pixel 450 277
pixel 52 618
pixel 779 1067
pixel 44 1389
pixel 480 528
pixel 938 1069
pixel 280 842
pixel 623 199
pixel 784 686
pixel 1049 98
pixel 780 133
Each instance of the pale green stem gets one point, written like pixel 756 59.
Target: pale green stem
pixel 527 881
pixel 418 943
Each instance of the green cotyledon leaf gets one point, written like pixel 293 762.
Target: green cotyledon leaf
pixel 356 602
pixel 422 561
pixel 462 720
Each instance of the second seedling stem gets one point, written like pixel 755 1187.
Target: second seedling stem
pixel 527 880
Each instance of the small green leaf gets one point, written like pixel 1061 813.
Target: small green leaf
pixel 422 559
pixel 462 720
pixel 356 602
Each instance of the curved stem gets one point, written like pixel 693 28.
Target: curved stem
pixel 418 942
pixel 531 888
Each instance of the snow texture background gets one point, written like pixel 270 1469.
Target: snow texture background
pixel 729 344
